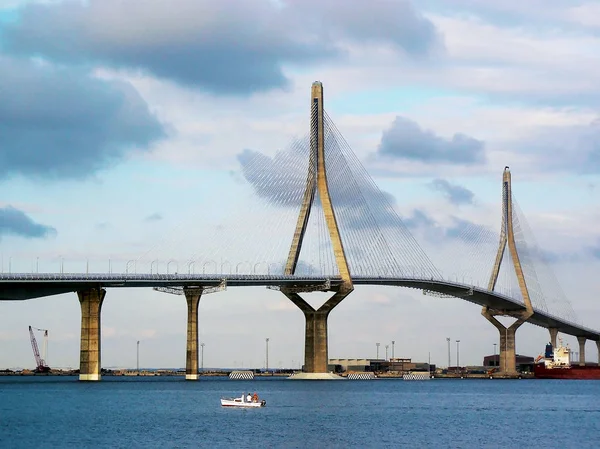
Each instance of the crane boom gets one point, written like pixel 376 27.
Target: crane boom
pixel 41 366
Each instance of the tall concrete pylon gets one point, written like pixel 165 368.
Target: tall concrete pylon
pixel 316 355
pixel 507 237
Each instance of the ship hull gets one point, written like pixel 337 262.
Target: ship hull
pixel 573 372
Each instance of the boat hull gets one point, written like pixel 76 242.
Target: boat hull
pixel 573 372
pixel 238 403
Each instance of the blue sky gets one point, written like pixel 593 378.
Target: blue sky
pixel 120 135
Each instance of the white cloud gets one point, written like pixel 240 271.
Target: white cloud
pixel 587 14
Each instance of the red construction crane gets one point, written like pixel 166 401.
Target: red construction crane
pixel 40 362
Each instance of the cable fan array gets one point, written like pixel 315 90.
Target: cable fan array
pixel 376 241
pixel 468 257
pixel 466 253
pixel 255 237
pixel 545 287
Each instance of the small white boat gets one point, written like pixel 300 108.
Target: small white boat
pixel 243 402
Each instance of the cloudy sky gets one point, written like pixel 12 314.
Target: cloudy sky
pixel 125 131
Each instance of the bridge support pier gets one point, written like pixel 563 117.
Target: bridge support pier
pixel 553 336
pixel 598 348
pixel 316 355
pixel 192 297
pixel 89 353
pixel 581 341
pixel 508 355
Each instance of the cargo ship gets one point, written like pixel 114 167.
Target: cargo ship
pixel 556 364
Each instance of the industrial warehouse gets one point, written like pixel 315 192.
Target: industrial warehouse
pixel 399 366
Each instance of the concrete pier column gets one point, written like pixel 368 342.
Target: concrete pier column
pixel 508 355
pixel 89 353
pixel 553 336
pixel 192 297
pixel 581 341
pixel 316 354
pixel 598 348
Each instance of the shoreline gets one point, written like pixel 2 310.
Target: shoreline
pixel 168 373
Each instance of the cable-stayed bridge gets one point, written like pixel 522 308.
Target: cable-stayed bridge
pixel 318 222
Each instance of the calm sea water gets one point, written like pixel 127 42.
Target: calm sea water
pixel 172 413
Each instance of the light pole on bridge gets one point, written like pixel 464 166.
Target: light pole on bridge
pixel 386 351
pixel 449 362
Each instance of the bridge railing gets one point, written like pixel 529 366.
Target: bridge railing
pixel 63 264
pixel 114 277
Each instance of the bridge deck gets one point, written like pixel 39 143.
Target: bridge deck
pixel 29 286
